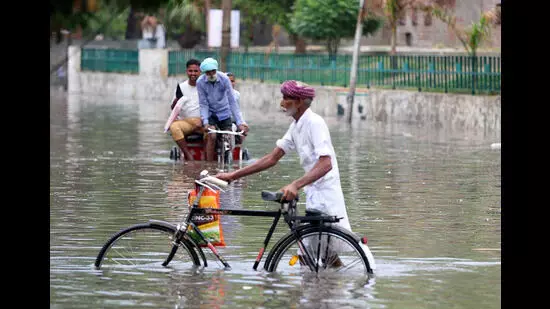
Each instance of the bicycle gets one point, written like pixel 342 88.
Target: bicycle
pixel 312 242
pixel 225 144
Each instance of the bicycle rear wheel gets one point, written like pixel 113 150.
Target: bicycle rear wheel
pixel 144 246
pixel 335 253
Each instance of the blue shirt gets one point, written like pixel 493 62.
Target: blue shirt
pixel 217 98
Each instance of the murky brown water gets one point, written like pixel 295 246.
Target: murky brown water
pixel 429 202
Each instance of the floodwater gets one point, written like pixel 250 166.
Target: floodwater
pixel 428 200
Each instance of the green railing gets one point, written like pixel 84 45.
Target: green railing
pixel 109 60
pixel 462 74
pixel 177 59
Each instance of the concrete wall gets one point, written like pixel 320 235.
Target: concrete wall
pixel 449 111
pixel 438 110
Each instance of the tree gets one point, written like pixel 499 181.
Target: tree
pixel 68 14
pixel 278 13
pixel 330 20
pixel 107 14
pixel 393 10
pixel 185 21
pixel 253 11
pixel 471 36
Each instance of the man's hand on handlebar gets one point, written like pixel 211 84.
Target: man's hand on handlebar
pixel 290 192
pixel 209 126
pixel 243 127
pixel 225 176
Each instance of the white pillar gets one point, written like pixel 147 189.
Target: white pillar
pixel 153 62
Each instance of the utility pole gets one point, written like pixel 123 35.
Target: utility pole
pixel 356 46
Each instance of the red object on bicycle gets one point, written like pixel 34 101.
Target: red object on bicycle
pixel 210 225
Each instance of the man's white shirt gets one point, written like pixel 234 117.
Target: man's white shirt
pixel 189 102
pixel 310 138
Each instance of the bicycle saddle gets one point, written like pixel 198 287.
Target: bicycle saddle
pixel 194 137
pixel 314 213
pixel 272 196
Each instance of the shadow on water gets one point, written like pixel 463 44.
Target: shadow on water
pixel 428 201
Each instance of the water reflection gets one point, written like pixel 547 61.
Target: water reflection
pixel 428 201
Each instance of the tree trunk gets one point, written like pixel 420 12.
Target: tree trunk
pixel 226 33
pixel 355 60
pixel 250 38
pixel 207 5
pixel 133 30
pixel 332 47
pixel 393 38
pixel 299 44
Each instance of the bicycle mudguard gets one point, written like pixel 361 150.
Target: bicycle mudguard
pixel 162 224
pixel 369 255
pixel 343 230
pixel 363 246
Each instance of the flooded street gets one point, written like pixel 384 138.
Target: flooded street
pixel 428 200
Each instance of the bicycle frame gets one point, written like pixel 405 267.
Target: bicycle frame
pixel 289 218
pixel 226 145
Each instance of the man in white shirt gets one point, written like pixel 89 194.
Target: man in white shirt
pixel 188 117
pixel 309 136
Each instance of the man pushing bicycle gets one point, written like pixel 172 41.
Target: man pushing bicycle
pixel 308 134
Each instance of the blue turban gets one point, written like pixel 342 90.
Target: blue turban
pixel 209 64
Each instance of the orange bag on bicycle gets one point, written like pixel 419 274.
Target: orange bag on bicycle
pixel 209 224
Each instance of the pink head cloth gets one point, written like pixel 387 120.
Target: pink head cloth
pixel 297 89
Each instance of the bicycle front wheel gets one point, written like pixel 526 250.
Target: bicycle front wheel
pixel 227 157
pixel 144 246
pixel 336 252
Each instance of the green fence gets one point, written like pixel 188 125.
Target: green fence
pixel 462 74
pixel 177 59
pixel 109 60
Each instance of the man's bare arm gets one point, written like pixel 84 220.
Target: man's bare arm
pixel 263 163
pixel 320 169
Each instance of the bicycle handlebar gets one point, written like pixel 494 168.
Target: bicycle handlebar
pixel 240 133
pixel 216 181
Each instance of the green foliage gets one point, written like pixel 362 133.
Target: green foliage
pixel 62 15
pixel 471 37
pixel 330 20
pixel 111 19
pixel 477 33
pixel 392 9
pixel 182 15
pixel 145 5
pixel 273 11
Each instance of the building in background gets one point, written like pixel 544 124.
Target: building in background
pixel 420 30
